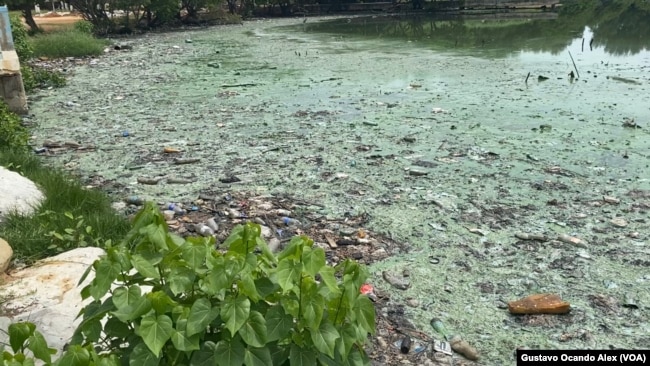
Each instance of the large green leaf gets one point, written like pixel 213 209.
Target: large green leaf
pixel 290 305
pixel 278 324
pixel 293 250
pixel 246 286
pixel 364 310
pixel 214 260
pixel 181 279
pixel 265 286
pixel 91 329
pixel 155 332
pixel 84 275
pixel 206 356
pixel 313 259
pixel 148 214
pixel 123 296
pixel 348 338
pixel 250 263
pixel 140 307
pixel 157 234
pixel 120 255
pixel 299 356
pixel 324 338
pixel 116 328
pixel 230 352
pixel 245 240
pixel 234 312
pixel 144 267
pixel 266 252
pixel 325 360
pixel 194 251
pixel 254 330
pixel 180 312
pixel 337 309
pixel 327 277
pixel 313 303
pixel 111 360
pixel 288 274
pixel 96 310
pixel 235 239
pixel 105 274
pixel 279 354
pixel 151 254
pixel 257 357
pixel 357 358
pixel 142 356
pixel 75 356
pixel 161 302
pixel 221 276
pixel 38 346
pixel 201 314
pixel 183 342
pixel 19 333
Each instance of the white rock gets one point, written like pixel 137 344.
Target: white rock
pixel 17 193
pixel 118 206
pixel 47 295
pixel 169 215
pixel 266 232
pixel 5 255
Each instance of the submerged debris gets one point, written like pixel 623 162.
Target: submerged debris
pixel 572 240
pixel 539 304
pixel 630 123
pixel 462 347
pixel 148 180
pixel 527 236
pixel 399 283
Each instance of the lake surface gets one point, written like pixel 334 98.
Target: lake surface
pixel 341 111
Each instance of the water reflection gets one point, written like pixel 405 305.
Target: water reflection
pixel 620 27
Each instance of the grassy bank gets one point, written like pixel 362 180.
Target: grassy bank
pixel 70 216
pixel 67 43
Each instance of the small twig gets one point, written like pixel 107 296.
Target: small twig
pixel 527 76
pixel 414 333
pixel 574 65
pixel 237 85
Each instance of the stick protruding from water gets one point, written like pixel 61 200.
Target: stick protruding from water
pixel 574 65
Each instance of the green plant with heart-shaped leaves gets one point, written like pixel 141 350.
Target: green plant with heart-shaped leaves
pixel 159 299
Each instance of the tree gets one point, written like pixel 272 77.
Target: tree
pixel 25 6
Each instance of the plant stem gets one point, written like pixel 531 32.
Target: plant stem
pixel 162 277
pixel 339 307
pixel 300 299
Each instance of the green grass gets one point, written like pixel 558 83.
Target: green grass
pixel 67 43
pixel 28 236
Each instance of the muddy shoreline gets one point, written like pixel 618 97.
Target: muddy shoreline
pixel 449 154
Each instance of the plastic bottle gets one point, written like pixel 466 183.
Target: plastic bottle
pixel 176 207
pixel 135 200
pixel 288 221
pixel 204 230
pixel 212 224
